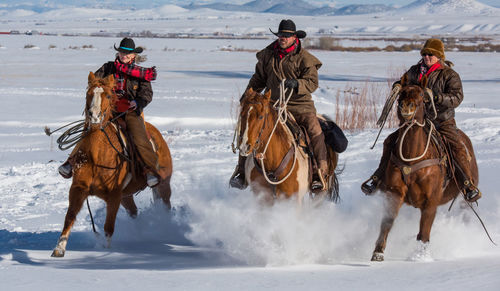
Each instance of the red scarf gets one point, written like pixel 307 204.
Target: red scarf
pixel 426 70
pixel 281 52
pixel 122 72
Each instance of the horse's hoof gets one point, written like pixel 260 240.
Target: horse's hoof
pixel 57 253
pixel 377 257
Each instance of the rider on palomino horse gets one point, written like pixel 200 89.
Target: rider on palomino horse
pixel 133 88
pixel 286 59
pixel 445 87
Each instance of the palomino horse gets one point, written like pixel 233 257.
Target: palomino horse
pixel 102 171
pixel 276 164
pixel 416 173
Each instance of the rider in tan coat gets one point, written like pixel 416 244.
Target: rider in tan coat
pixel 445 87
pixel 286 59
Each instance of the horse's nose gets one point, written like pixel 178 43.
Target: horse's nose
pixel 95 117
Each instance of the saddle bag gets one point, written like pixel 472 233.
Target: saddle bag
pixel 334 136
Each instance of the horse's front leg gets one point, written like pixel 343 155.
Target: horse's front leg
pixel 393 204
pixel 427 215
pixel 112 205
pixel 77 196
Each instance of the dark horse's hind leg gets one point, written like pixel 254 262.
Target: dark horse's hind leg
pixel 163 191
pixel 77 196
pixel 393 204
pixel 129 204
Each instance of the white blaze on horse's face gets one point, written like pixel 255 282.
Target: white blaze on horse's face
pixel 244 146
pixel 95 106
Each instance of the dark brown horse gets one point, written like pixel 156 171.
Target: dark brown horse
pixel 101 171
pixel 276 165
pixel 416 173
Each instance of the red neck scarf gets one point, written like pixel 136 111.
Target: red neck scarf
pixel 426 70
pixel 281 52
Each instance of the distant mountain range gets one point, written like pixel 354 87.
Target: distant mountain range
pixel 297 7
pixel 287 7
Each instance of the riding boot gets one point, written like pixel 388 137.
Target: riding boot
pixel 238 180
pixel 462 159
pixel 320 154
pixel 470 190
pixel 369 186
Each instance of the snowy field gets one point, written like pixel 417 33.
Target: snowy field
pixel 218 238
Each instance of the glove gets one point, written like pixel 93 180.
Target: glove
pixel 429 95
pixel 291 83
pixel 396 87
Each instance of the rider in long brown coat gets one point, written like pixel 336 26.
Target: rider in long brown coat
pixel 286 59
pixel 133 88
pixel 445 87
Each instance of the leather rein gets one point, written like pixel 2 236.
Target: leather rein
pixel 272 176
pixel 402 162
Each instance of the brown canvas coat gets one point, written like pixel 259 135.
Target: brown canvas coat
pixel 299 65
pixel 445 83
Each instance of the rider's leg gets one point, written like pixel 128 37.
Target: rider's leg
pixel 370 185
pixel 238 180
pixel 449 129
pixel 137 130
pixel 310 122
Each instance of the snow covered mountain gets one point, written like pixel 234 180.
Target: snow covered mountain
pixel 285 7
pixel 449 7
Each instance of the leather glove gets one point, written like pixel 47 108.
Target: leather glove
pixel 428 95
pixel 291 83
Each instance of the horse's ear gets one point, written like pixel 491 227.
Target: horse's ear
pixel 267 95
pixel 91 77
pixel 249 91
pixel 110 80
pixel 404 80
pixel 423 81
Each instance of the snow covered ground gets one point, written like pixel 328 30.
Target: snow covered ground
pixel 218 238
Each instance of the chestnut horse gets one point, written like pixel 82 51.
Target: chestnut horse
pixel 269 145
pixel 102 171
pixel 417 171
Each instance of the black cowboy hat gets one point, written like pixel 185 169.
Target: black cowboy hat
pixel 127 45
pixel 287 29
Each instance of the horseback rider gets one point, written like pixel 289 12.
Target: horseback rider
pixel 134 92
pixel 285 58
pixel 445 88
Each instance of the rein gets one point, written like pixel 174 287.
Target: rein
pixel 409 125
pixel 281 106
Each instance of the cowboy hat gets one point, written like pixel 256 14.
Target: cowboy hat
pixel 127 45
pixel 287 29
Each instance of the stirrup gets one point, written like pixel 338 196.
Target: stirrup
pixel 318 184
pixel 368 189
pixel 472 193
pixel 65 170
pixel 238 180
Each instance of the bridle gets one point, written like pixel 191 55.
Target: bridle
pixel 409 123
